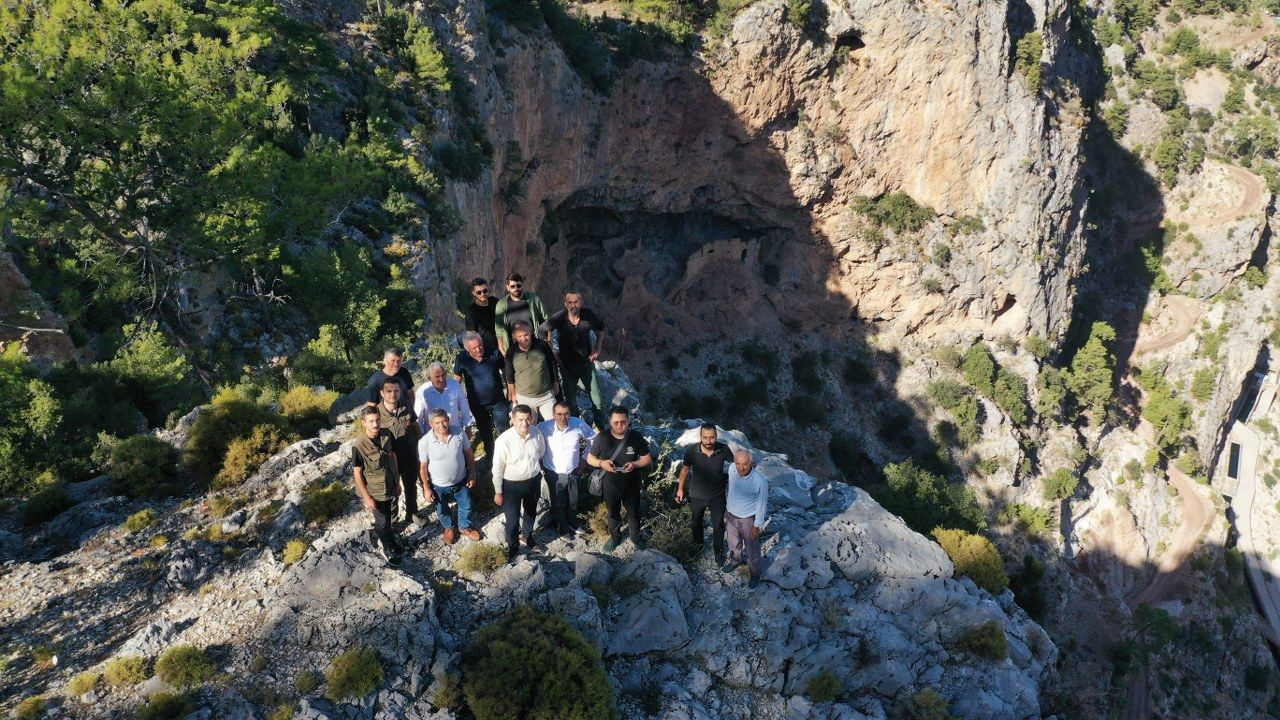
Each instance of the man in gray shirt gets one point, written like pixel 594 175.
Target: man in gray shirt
pixel 447 474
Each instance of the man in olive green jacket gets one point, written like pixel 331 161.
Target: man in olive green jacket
pixel 517 304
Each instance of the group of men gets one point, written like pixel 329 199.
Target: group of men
pixel 519 395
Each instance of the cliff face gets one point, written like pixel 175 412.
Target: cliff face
pixel 769 138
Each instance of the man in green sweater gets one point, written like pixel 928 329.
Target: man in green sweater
pixel 518 304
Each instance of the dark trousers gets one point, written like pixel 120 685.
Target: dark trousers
pixel 384 511
pixel 408 483
pixel 492 420
pixel 699 506
pixel 619 494
pixel 586 374
pixel 563 489
pixel 515 496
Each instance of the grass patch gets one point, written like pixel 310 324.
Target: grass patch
pixel 294 550
pixel 323 504
pixel 126 671
pixel 353 675
pixel 185 666
pixel 141 520
pixel 986 640
pixel 480 558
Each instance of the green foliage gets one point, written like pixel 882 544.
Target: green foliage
pixel 1116 118
pixel 1254 276
pixel 1203 384
pixel 307 682
pixel 229 416
pixel 985 640
pixel 154 373
pixel 925 500
pixel 858 370
pixel 126 671
pixel 1159 84
pixel 1092 369
pixel 353 675
pixel 245 454
pixel 45 504
pixel 1037 346
pixel 798 12
pixel 1027 60
pixel 1030 519
pixel 480 558
pixel 83 683
pixel 165 706
pixel 185 666
pixel 806 410
pixel 1211 342
pixel 141 520
pixel 504 671
pixel 293 551
pixel 805 368
pixel 1233 102
pixel 947 393
pixel 414 44
pixel 963 406
pixel 1153 628
pixel 927 705
pixel 846 453
pixel 306 409
pixel 823 686
pixel 980 369
pixel 30 708
pixel 29 417
pixel 143 466
pixel 722 21
pixel 669 533
pixel 974 556
pixel 1135 16
pixel 963 225
pixel 324 503
pixel 1060 484
pixel 898 210
pixel 1169 414
pixel 1011 395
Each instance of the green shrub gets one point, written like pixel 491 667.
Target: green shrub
pixel 669 533
pixel 323 504
pixel 282 712
pixel 141 520
pixel 898 210
pixel 1092 370
pixel 1032 520
pixel 307 682
pixel 143 466
pixel 980 369
pixel 221 506
pixel 927 705
pixel 165 706
pixel 1011 396
pixel 246 454
pixel 503 671
pixel 805 369
pixel 480 558
pixel 184 666
pixel 307 409
pixel 986 640
pixel 798 12
pixel 126 671
pixel 449 693
pixel 44 505
pixel 1060 484
pixel 29 709
pixel 353 675
pixel 83 683
pixel 925 500
pixel 1029 51
pixel 227 417
pixel 1254 276
pixel 1203 384
pixel 975 557
pixel 947 393
pixel 846 453
pixel 823 686
pixel 859 370
pixel 294 550
pixel 806 410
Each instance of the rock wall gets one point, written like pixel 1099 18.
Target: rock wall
pixel 26 319
pixel 779 131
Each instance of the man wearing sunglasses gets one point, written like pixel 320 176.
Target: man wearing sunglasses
pixel 479 315
pixel 517 305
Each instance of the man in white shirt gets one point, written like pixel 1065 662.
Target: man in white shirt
pixel 746 504
pixel 517 470
pixel 443 393
pixel 567 439
pixel 447 473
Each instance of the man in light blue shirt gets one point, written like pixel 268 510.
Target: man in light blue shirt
pixel 447 473
pixel 567 438
pixel 442 393
pixel 746 504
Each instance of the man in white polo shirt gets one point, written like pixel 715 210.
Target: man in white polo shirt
pixel 447 474
pixel 567 438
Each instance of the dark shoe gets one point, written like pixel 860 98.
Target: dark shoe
pixel 719 558
pixel 512 554
pixel 450 536
pixel 610 545
pixel 754 582
pixel 533 545
pixel 640 544
pixel 395 559
pixel 730 566
pixel 470 533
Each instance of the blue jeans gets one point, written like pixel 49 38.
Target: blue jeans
pixel 462 499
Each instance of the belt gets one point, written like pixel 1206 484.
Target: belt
pixel 528 479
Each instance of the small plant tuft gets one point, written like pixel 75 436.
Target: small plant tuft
pixel 974 556
pixel 126 671
pixel 294 550
pixel 480 558
pixel 165 706
pixel 824 686
pixel 353 675
pixel 141 520
pixel 184 666
pixel 986 640
pixel 323 504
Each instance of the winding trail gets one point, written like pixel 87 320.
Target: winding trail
pixel 1254 191
pixel 1185 314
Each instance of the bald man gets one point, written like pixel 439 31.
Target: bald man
pixel 746 505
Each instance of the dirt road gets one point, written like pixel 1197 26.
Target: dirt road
pixel 1185 314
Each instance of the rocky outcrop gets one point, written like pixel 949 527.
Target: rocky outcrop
pixel 849 589
pixel 26 319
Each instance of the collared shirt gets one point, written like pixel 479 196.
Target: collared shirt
pixel 402 377
pixel 517 458
pixel 574 340
pixel 403 426
pixel 446 459
pixel 565 448
pixel 748 496
pixel 450 399
pixel 532 371
pixel 486 383
pixel 707 475
pixel 373 456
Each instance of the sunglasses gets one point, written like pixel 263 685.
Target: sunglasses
pixel 484 291
pixel 515 285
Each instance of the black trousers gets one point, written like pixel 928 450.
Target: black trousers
pixel 699 506
pixel 492 420
pixel 384 511
pixel 619 494
pixel 564 499
pixel 517 495
pixel 408 479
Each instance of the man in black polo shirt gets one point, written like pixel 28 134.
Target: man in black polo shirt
pixel 478 317
pixel 623 454
pixel 703 481
pixel 392 361
pixel 480 370
pixel 573 327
